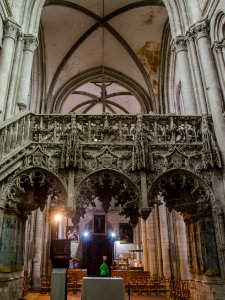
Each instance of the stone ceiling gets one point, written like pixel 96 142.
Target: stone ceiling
pixel 73 35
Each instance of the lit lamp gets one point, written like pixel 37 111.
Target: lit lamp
pixel 58 219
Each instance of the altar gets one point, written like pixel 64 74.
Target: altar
pixel 99 288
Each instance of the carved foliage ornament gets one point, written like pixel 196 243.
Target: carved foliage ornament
pixel 108 185
pixel 30 189
pixel 184 192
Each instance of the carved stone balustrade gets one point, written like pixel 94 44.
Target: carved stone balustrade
pixel 142 139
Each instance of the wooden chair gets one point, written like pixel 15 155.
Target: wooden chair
pixel 45 284
pixel 71 278
pixel 80 274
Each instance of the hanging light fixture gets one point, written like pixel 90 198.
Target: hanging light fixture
pixel 103 83
pixel 103 86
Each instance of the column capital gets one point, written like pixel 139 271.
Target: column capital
pixel 11 29
pixel 179 44
pixel 30 42
pixel 217 46
pixel 190 36
pixel 200 29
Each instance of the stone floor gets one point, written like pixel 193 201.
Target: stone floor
pixel 37 296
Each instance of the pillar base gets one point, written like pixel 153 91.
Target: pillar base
pixel 206 288
pixel 11 285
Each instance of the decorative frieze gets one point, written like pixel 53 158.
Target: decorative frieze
pixel 91 144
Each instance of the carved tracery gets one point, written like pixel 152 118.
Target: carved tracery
pixel 107 186
pixel 29 190
pixel 184 192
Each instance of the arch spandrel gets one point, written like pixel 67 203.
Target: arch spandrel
pixel 112 188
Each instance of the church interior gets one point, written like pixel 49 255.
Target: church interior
pixel 112 145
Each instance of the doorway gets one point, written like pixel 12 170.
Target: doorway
pixel 94 248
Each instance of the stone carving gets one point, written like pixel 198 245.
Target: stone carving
pixel 180 44
pixel 29 190
pixel 126 144
pixel 183 191
pixel 108 185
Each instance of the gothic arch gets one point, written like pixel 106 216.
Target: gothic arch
pixel 183 191
pixel 28 190
pixel 218 27
pixel 109 186
pixel 125 81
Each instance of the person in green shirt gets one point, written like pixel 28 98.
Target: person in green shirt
pixel 104 270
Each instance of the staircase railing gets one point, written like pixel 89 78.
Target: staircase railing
pixel 15 134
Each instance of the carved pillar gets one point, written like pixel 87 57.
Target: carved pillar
pixel 182 247
pixel 197 74
pixel 164 241
pixel 218 53
pixel 6 60
pixel 71 197
pixel 180 46
pixel 211 82
pixel 152 244
pixel 30 44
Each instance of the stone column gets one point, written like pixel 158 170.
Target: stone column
pixel 8 249
pixel 159 246
pixel 14 81
pixel 200 94
pixel 150 228
pixel 37 255
pixel 144 245
pixel 218 218
pixel 218 47
pixel 174 256
pixel 211 82
pixel 182 247
pixel 6 60
pixel 46 263
pixel 1 220
pixel 180 46
pixel 165 241
pixel 30 44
